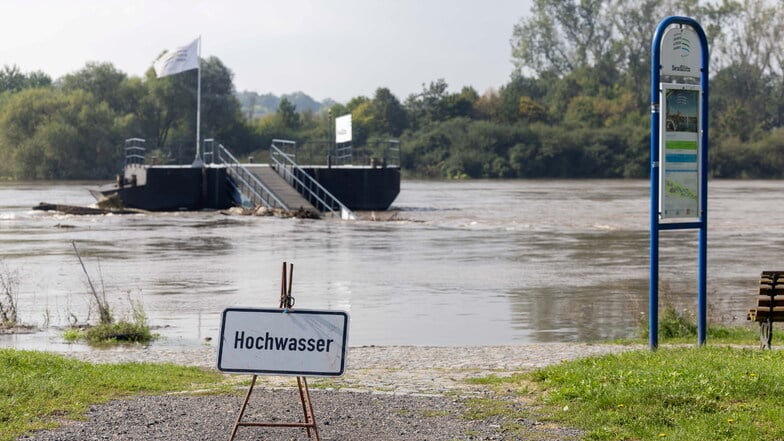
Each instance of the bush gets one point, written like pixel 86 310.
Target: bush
pixel 677 324
pixel 672 324
pixel 111 333
pixel 682 326
pixel 123 331
pixel 120 332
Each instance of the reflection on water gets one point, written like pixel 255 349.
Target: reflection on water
pixel 198 244
pixel 462 263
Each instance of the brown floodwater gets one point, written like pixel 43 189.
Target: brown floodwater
pixel 460 263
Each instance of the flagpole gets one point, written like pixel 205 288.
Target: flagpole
pixel 198 105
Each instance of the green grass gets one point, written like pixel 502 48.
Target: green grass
pixel 674 393
pixel 683 393
pixel 681 327
pixel 36 389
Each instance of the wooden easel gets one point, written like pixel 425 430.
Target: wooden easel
pixel 309 423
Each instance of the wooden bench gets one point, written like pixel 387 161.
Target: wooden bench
pixel 770 305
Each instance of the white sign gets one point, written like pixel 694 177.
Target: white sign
pixel 343 128
pixel 681 53
pixel 276 342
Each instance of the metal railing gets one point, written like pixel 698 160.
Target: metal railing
pixel 382 153
pixel 208 151
pixel 379 153
pixel 283 162
pixel 344 153
pixel 392 152
pixel 257 192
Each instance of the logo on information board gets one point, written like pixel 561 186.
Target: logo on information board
pixel 681 44
pixel 680 55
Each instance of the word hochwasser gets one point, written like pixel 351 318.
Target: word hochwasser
pixel 269 342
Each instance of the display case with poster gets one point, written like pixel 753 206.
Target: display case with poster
pixel 680 153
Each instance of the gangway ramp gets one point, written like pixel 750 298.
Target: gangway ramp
pixel 282 185
pixel 278 186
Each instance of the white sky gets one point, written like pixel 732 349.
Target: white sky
pixel 335 49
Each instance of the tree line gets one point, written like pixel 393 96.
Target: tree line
pixel 577 104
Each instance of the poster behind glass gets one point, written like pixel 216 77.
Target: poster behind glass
pixel 680 152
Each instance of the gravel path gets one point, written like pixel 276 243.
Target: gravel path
pixel 387 393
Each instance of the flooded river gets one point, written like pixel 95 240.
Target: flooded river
pixel 455 263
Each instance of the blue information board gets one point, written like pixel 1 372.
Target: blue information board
pixel 679 151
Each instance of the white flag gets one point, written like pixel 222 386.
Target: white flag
pixel 178 60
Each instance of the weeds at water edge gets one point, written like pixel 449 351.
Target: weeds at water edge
pixel 108 330
pixel 9 296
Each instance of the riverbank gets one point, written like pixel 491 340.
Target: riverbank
pixel 678 392
pixel 392 369
pixel 387 392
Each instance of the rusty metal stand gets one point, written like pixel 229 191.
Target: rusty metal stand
pixel 309 420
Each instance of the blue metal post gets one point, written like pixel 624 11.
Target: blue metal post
pixel 653 288
pixel 702 282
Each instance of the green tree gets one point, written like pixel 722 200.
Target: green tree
pixel 362 119
pixel 12 79
pixel 288 114
pixel 488 106
pixel 167 113
pixel 353 104
pixel 104 81
pixel 38 79
pixel 509 96
pixel 634 22
pixel 738 100
pixel 169 102
pixel 530 110
pixel 428 106
pixel 435 104
pixel 747 95
pixel 561 36
pixel 462 104
pixel 220 109
pixel 51 134
pixel 388 115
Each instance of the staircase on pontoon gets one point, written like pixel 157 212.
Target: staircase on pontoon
pixel 281 184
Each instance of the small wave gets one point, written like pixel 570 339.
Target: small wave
pixel 422 209
pixel 607 227
pixel 519 227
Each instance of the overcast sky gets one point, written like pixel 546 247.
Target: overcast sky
pixel 335 49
